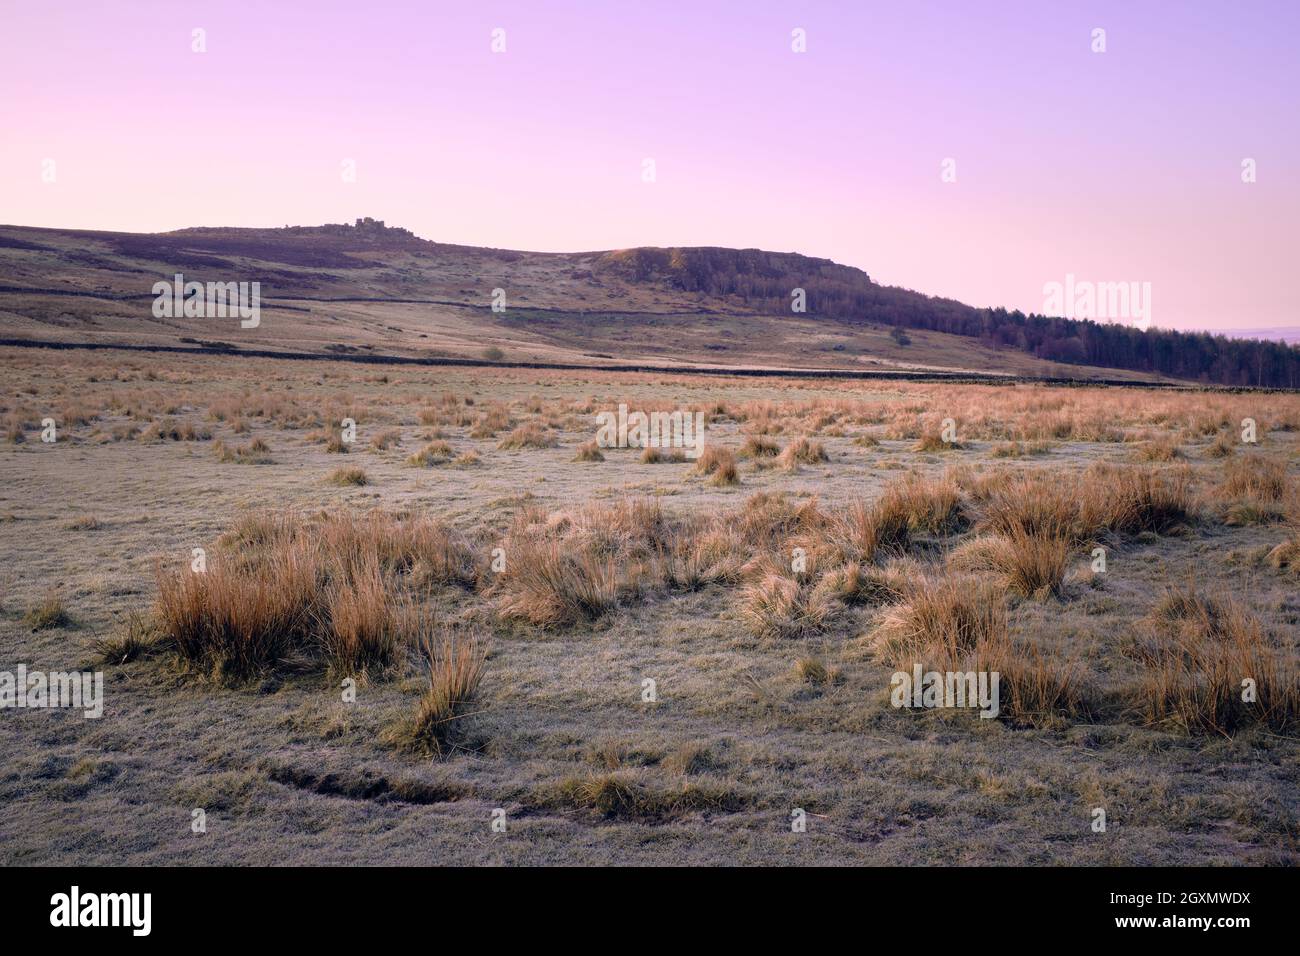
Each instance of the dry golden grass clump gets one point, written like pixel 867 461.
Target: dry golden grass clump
pixel 1254 476
pixel 589 451
pixel 1164 448
pixel 455 666
pixel 1031 564
pixel 283 592
pixel 932 441
pixel 48 612
pixel 1286 556
pixel 705 554
pixel 425 550
pixel 810 670
pixel 776 605
pixel 932 505
pixel 1223 446
pixel 345 477
pixel 772 523
pixel 238 621
pixel 256 452
pixel 254 531
pixel 382 441
pixel 1120 499
pixel 719 464
pixel 433 454
pixel 1240 514
pixel 808 566
pixel 570 567
pixel 494 419
pixel 1209 667
pixel 759 446
pixel 365 625
pixel 910 504
pixel 959 623
pixel 627 794
pixel 864 584
pixel 171 431
pixel 651 455
pixel 943 620
pixel 77 414
pixel 547 585
pixel 1033 506
pixel 1133 500
pixel 802 450
pixel 140 638
pixel 530 435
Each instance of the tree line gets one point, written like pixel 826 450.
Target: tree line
pixel 765 281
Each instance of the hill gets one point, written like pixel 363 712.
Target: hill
pixel 372 288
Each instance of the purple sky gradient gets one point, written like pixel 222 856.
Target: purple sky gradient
pixel 1116 166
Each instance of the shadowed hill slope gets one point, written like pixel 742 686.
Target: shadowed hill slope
pixel 373 287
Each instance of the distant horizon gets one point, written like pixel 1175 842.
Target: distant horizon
pixel 975 153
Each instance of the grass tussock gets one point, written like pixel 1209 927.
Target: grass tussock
pixel 338 592
pixel 137 640
pixel 779 606
pixel 719 465
pixel 548 585
pixel 802 450
pixel 651 455
pixel 1223 446
pixel 589 451
pixel 912 504
pixel 168 430
pixel 759 446
pixel 47 613
pixel 933 441
pixel 1210 667
pixel 256 452
pixel 348 477
pixel 362 627
pixel 944 619
pixel 530 435
pixel 1164 448
pixel 1256 477
pixel 574 566
pixel 959 623
pixel 431 455
pixel 1119 499
pixel 1286 556
pixel 386 439
pixel 857 584
pixel 235 622
pixel 1030 564
pixel 455 666
pixel 629 795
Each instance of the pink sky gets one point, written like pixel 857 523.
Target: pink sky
pixel 1117 166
